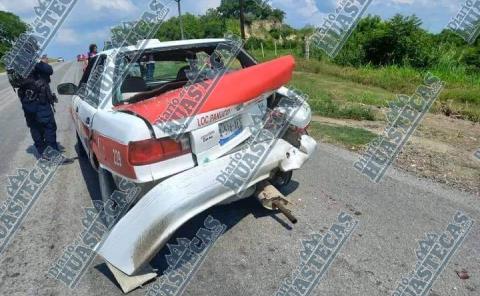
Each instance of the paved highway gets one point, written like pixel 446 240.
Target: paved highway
pixel 259 249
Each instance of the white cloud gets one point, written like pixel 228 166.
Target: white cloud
pixel 196 6
pixel 70 36
pixel 306 11
pixel 451 5
pixel 84 10
pixel 67 36
pixel 120 5
pixel 18 7
pixel 402 1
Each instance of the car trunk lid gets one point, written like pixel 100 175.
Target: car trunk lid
pixel 216 114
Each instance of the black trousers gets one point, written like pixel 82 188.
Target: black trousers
pixel 41 122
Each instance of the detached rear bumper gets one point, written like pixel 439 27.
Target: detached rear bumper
pixel 145 229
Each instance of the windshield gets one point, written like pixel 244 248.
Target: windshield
pixel 160 70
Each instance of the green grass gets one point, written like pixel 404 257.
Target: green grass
pixel 461 93
pixel 167 69
pixel 338 91
pixel 2 68
pixel 349 137
pixel 333 97
pixel 270 54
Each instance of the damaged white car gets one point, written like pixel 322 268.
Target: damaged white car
pixel 219 102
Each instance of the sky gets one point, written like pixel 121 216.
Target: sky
pixel 90 20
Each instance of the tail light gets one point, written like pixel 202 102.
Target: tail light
pixel 301 131
pixel 155 150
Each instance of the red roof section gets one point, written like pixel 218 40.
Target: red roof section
pixel 232 89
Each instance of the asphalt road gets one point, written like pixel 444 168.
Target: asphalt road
pixel 259 249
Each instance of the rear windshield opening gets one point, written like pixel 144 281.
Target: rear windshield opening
pixel 157 71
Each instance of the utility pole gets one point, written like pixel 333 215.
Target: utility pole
pixel 180 19
pixel 307 47
pixel 242 18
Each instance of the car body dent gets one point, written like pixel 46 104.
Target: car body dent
pixel 145 229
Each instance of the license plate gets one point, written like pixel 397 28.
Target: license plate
pixel 229 129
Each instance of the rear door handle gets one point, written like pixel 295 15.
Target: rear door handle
pixel 87 120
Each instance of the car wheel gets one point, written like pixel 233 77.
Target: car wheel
pixel 80 150
pixel 107 186
pixel 281 179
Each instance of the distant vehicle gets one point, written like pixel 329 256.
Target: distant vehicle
pixel 78 57
pixel 60 60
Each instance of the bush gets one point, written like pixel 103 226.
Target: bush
pixel 471 58
pixel 10 28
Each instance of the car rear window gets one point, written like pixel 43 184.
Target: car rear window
pixel 162 70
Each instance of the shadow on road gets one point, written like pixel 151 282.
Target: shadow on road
pixel 91 179
pixel 229 214
pixel 33 151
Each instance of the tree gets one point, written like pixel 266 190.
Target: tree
pixel 213 24
pixel 397 41
pixel 254 10
pixel 10 27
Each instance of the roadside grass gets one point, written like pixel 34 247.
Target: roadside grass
pixel 270 54
pixel 2 68
pixel 460 97
pixel 349 137
pixel 334 97
pixel 370 86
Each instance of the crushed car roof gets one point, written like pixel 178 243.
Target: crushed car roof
pixel 155 43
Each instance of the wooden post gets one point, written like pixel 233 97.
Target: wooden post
pixel 275 45
pixel 261 45
pixel 242 19
pixel 307 48
pixel 180 19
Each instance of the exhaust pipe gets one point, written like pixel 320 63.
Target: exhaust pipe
pixel 272 199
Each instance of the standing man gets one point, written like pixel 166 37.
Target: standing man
pixel 37 104
pixel 92 52
pixel 150 67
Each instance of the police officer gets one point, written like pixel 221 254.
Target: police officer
pixel 37 103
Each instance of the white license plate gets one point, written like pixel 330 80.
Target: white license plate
pixel 229 129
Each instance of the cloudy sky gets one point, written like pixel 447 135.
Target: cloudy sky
pixel 91 20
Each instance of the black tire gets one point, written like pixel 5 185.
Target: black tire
pixel 80 150
pixel 281 179
pixel 106 183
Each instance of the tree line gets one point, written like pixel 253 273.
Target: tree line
pixel 11 26
pixel 400 40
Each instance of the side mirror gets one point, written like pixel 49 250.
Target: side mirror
pixel 67 89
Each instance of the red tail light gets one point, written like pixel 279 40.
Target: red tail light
pixel 301 131
pixel 155 150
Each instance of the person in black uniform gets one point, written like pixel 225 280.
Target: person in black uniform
pixel 37 104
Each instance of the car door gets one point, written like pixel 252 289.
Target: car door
pixel 85 104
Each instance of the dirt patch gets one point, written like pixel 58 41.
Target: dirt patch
pixel 442 149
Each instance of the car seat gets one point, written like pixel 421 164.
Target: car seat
pixel 133 85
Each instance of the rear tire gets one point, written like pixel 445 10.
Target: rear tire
pixel 107 185
pixel 80 150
